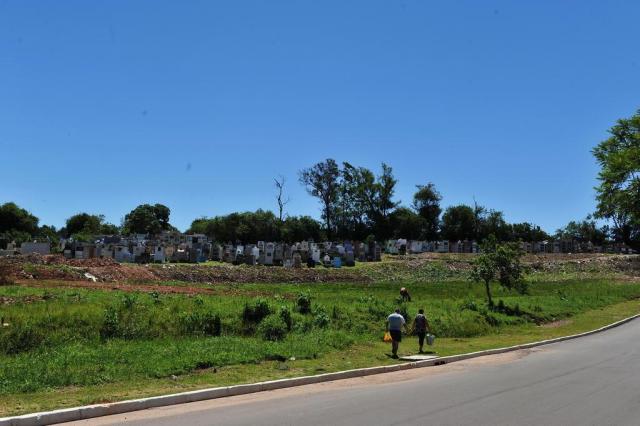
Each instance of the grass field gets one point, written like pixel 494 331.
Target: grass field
pixel 62 346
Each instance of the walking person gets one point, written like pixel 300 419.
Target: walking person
pixel 395 324
pixel 421 327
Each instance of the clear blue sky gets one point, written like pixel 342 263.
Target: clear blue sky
pixel 198 105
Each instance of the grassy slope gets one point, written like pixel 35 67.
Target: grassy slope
pixel 73 366
pixel 356 356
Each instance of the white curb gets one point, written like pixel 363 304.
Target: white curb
pixel 91 411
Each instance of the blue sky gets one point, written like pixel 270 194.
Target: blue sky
pixel 198 105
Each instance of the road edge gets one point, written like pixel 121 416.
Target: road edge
pixel 99 410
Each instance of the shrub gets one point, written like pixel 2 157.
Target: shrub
pixel 129 300
pixel 469 305
pixel 272 328
pixel 207 324
pixel 285 314
pixel 321 320
pixel 21 338
pixel 110 323
pixel 256 312
pixel 304 303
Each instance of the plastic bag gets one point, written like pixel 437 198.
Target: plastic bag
pixel 387 337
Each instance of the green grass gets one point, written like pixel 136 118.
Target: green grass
pixel 55 353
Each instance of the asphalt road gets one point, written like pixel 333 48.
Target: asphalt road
pixel 592 380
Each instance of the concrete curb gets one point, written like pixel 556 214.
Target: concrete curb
pixel 91 411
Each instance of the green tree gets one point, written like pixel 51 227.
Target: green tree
pixel 147 219
pixel 499 262
pixel 458 223
pixel 17 223
pixel 85 226
pixel 322 181
pixel 426 201
pixel 618 193
pixel 527 232
pixel 407 224
pixel 584 231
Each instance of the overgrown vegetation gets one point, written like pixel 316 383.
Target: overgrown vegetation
pixel 57 337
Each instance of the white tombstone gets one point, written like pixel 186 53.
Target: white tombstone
pixel 315 255
pixel 269 253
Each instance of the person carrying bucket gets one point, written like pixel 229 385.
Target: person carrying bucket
pixel 421 327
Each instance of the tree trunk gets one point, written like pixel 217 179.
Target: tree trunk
pixel 487 286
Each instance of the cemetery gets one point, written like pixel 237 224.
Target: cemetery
pixel 176 247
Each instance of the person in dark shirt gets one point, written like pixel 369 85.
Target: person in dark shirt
pixel 421 327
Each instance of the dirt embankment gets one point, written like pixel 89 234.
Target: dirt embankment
pixel 422 267
pixel 36 267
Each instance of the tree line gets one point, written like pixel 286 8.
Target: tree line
pixel 358 204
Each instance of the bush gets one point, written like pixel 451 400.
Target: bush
pixel 272 328
pixel 321 320
pixel 110 324
pixel 21 338
pixel 469 305
pixel 285 314
pixel 304 303
pixel 253 314
pixel 207 324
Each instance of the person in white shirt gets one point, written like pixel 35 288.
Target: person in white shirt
pixel 395 324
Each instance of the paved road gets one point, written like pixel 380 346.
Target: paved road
pixel 593 380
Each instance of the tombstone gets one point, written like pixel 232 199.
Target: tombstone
pixel 268 253
pixel 304 246
pixel 217 253
pixel 249 259
pixel 326 261
pixel 297 260
pixel 315 255
pixel 311 263
pixel 287 263
pixel 278 254
pixel 255 252
pixel 362 254
pixel 349 259
pixel 377 253
pixel 340 249
pixel 337 262
pixel 287 252
pixel 158 255
pixel 391 247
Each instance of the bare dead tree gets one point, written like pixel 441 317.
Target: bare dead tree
pixel 282 201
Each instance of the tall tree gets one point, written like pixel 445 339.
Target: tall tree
pixel 85 225
pixel 586 230
pixel 426 202
pixel 322 181
pixel 618 193
pixel 17 223
pixel 458 223
pixel 147 219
